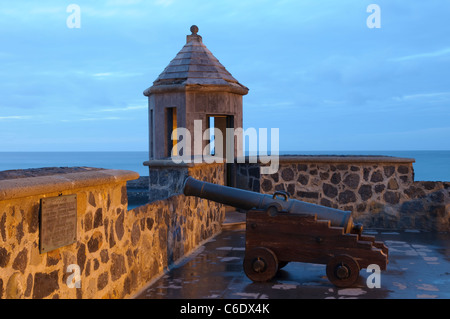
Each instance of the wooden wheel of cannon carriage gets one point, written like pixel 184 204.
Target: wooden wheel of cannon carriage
pixel 342 271
pixel 260 264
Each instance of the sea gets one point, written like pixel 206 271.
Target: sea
pixel 428 166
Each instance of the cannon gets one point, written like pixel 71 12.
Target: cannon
pixel 280 230
pixel 272 204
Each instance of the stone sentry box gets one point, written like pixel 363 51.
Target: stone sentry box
pixel 195 86
pixel 193 93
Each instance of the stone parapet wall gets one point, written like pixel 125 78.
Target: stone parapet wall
pixel 118 251
pixel 380 191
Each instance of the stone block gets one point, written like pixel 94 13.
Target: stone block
pixel 376 177
pixel 379 188
pixel 402 169
pixel 266 185
pixel 254 172
pixel 392 184
pixel 329 190
pixel 365 191
pixel 389 170
pixel 287 174
pixel 102 280
pixel 98 218
pixel 391 197
pixel 352 180
pixel 45 284
pixel 275 177
pixel 346 197
pixel 311 195
pixel 118 267
pixel 336 178
pixel 303 179
pixel 14 288
pixel 81 256
pixel 4 257
pixel 414 192
pixel 95 242
pixel 256 187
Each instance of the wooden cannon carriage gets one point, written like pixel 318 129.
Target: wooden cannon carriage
pixel 273 240
pixel 280 230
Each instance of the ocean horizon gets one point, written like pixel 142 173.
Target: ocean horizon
pixel 428 166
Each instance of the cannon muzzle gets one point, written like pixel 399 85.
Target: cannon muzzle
pixel 279 201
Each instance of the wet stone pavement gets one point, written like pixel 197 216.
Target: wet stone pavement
pixel 419 268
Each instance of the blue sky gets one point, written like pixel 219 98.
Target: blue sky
pixel 314 70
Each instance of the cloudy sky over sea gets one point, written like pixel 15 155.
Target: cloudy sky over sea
pixel 315 70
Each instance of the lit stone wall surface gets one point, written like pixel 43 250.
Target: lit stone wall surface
pixel 117 251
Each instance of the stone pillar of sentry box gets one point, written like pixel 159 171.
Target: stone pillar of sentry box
pixel 167 177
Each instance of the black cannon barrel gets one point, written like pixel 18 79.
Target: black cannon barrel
pixel 222 194
pixel 246 200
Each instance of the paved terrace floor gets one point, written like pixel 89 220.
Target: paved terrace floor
pixel 419 268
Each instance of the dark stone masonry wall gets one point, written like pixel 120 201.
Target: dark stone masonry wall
pixel 248 176
pixel 166 181
pixel 166 178
pixel 380 191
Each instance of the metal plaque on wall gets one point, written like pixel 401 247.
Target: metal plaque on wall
pixel 58 222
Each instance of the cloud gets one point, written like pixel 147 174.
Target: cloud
pixel 164 3
pixel 438 96
pixel 277 104
pixel 124 109
pixel 108 118
pixel 115 74
pixel 15 117
pixel 122 2
pixel 89 119
pixel 432 54
pixel 102 74
pixel 27 11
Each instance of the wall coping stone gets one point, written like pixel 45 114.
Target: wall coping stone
pixel 208 88
pixel 31 186
pixel 372 159
pixel 168 162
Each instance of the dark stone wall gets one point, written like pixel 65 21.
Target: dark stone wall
pixel 380 195
pixel 248 176
pixel 167 181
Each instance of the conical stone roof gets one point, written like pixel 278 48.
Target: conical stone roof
pixel 196 68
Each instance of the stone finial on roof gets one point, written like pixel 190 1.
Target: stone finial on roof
pixel 194 36
pixel 194 29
